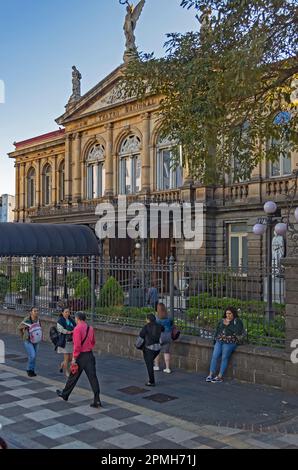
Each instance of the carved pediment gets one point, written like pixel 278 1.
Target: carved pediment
pixel 114 96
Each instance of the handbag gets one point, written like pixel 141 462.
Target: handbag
pixel 74 368
pixel 139 343
pixel 175 334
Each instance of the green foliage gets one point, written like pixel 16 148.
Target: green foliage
pixel 222 87
pixel 23 283
pixel 111 294
pixel 73 278
pixel 83 289
pixel 4 287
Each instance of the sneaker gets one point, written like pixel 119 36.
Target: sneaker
pixel 217 380
pixel 156 368
pixel 167 371
pixel 209 378
pixel 96 404
pixel 31 373
pixel 60 394
pixel 149 384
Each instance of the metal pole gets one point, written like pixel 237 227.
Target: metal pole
pixel 33 281
pixel 93 268
pixel 65 276
pixel 269 310
pixel 171 266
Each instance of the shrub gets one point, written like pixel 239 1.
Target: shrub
pixel 4 287
pixel 111 294
pixel 73 278
pixel 23 283
pixel 83 289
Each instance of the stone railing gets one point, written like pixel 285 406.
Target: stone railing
pixel 278 187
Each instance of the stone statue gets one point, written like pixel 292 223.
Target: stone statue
pixel 76 85
pixel 131 19
pixel 278 252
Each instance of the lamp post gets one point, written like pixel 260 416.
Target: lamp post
pixel 281 226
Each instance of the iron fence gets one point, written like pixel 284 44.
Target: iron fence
pixel 117 292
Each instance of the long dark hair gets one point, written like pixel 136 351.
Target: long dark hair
pixel 231 309
pixel 3 444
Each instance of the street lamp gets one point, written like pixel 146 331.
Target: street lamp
pixel 282 226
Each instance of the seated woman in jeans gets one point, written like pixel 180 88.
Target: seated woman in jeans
pixel 226 336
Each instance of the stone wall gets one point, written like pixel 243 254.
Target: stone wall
pixel 251 364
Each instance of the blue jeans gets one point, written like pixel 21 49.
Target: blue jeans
pixel 32 352
pixel 225 350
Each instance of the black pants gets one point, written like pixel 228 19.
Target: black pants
pixel 149 357
pixel 86 362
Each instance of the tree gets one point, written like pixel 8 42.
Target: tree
pixel 227 91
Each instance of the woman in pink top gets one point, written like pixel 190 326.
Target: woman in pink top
pixel 83 344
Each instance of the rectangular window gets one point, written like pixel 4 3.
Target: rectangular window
pixel 282 167
pixel 238 252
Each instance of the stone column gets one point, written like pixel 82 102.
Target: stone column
pixel 146 153
pixel 22 190
pixel 290 376
pixel 54 180
pixel 17 191
pixel 68 175
pixel 38 185
pixel 76 159
pixel 109 190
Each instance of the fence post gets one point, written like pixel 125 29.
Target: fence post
pixel 93 269
pixel 171 266
pixel 33 290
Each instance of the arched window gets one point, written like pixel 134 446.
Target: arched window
pixel 168 174
pixel 61 188
pixel 95 172
pixel 31 188
pixel 130 166
pixel 47 185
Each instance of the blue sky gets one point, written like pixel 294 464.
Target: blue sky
pixel 40 40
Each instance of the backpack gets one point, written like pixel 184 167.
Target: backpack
pixel 175 334
pixel 54 336
pixel 35 333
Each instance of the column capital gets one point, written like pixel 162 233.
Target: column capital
pixel 146 115
pixel 109 126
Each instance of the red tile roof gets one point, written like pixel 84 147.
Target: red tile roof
pixel 40 138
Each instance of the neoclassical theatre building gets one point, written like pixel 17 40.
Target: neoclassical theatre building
pixel 107 145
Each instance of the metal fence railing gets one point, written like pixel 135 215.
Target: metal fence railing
pixel 116 291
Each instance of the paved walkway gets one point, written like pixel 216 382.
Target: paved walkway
pixel 181 412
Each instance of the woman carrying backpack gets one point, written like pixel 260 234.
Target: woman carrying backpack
pixel 31 333
pixel 65 327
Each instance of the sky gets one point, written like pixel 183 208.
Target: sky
pixel 40 41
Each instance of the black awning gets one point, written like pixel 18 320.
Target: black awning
pixel 17 239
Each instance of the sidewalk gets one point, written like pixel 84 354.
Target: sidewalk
pixel 182 411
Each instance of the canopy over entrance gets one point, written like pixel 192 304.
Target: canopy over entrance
pixel 47 240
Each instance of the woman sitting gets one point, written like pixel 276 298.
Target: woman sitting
pixel 226 338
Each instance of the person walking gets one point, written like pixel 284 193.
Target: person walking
pixel 83 360
pixel 31 333
pixel 151 333
pixel 65 327
pixel 228 332
pixel 152 297
pixel 166 337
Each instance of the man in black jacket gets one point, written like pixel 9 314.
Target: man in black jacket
pixel 151 335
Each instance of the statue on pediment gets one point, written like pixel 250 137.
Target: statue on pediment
pixel 76 85
pixel 132 16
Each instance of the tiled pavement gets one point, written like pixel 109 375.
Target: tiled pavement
pixel 194 415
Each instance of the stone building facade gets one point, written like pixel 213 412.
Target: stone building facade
pixel 107 146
